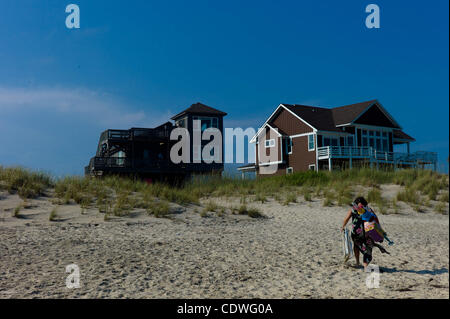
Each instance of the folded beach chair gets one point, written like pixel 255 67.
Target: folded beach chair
pixel 347 245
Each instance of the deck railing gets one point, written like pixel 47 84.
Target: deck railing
pixel 370 153
pixel 125 135
pixel 124 163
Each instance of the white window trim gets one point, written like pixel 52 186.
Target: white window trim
pixel 287 170
pixel 275 112
pixel 270 143
pixel 290 143
pixel 314 142
pixel 313 166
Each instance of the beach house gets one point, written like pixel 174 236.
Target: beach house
pixel 300 138
pixel 146 151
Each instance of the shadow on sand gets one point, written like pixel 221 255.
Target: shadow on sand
pixel 418 272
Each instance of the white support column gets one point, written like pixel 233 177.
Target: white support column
pixel 329 163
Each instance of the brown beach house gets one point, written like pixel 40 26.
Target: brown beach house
pixel 313 138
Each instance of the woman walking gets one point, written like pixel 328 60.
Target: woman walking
pixel 362 243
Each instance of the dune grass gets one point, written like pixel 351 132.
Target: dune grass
pixel 119 195
pixel 26 183
pixel 53 215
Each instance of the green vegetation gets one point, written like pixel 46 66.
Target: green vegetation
pixel 159 209
pixel 290 198
pixel 251 212
pixel 440 207
pixel 17 211
pixel 53 215
pixel 24 182
pixel 118 196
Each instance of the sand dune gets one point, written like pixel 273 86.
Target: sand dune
pixel 293 253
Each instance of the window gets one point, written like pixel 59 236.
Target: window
pixel 375 139
pixel 206 122
pixel 288 142
pixel 330 141
pixel 364 142
pixel 379 145
pixel 385 145
pixel 312 167
pixel 311 145
pixel 289 170
pixel 350 140
pixel 181 123
pixel 270 143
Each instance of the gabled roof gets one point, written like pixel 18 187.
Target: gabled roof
pixel 318 117
pixel 331 119
pixel 348 113
pixel 199 108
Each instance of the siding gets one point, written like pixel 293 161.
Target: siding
pixel 262 150
pixel 374 116
pixel 289 124
pixel 301 158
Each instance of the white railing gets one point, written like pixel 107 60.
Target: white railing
pixel 326 152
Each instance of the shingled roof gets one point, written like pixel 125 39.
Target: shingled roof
pixel 328 119
pixel 199 108
pixel 402 135
pixel 347 113
pixel 319 117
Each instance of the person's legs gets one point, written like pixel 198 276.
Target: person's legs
pixel 367 256
pixel 356 252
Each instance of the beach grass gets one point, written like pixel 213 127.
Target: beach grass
pixel 124 194
pixel 53 215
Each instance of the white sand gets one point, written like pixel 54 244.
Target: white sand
pixel 294 253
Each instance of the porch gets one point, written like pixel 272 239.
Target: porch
pixel 375 157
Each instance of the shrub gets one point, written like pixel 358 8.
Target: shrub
pixel 374 196
pixel 307 196
pixel 260 197
pixel 409 195
pixel 440 207
pixel 53 215
pixel 254 213
pixel 327 202
pixel 17 211
pixel 444 197
pixel 159 209
pixel 211 207
pixel 290 198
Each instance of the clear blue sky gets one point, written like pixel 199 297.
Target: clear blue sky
pixel 135 63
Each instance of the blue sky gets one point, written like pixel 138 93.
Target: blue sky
pixel 136 63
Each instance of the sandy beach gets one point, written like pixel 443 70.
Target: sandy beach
pixel 295 252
